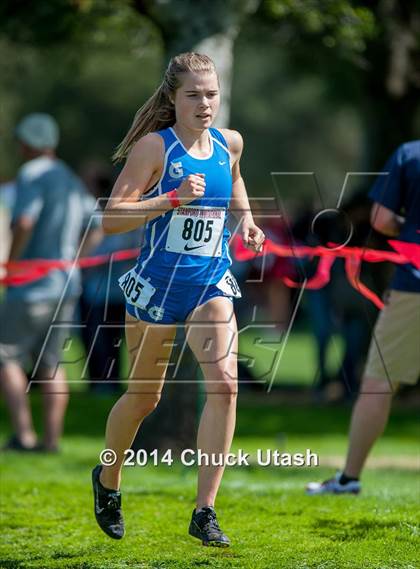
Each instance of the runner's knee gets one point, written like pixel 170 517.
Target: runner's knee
pixel 223 383
pixel 143 403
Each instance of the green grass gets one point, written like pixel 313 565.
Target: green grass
pixel 262 348
pixel 47 519
pixel 277 362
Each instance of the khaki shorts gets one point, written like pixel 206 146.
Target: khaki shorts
pixel 30 336
pixel 394 353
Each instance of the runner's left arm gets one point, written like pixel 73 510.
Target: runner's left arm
pixel 253 237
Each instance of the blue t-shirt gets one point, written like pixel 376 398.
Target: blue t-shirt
pixel 399 191
pixel 100 283
pixel 49 193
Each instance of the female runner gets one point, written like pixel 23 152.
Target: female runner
pixel 179 180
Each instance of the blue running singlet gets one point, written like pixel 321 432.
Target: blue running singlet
pixel 189 244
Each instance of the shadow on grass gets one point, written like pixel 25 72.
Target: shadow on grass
pixel 344 530
pixel 87 415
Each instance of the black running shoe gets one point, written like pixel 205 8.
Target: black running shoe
pixel 204 526
pixel 15 444
pixel 107 504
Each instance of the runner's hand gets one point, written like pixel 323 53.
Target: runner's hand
pixel 253 237
pixel 192 188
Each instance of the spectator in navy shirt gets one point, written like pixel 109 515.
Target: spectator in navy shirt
pixel 394 351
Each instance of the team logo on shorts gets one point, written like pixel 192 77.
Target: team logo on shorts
pixel 176 170
pixel 156 312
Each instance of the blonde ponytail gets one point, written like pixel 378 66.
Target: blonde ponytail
pixel 158 112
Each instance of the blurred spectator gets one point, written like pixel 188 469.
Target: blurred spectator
pixel 51 210
pixel 355 314
pixel 7 200
pixel 267 272
pixel 393 357
pixel 318 301
pixel 102 304
pixel 276 268
pixel 338 308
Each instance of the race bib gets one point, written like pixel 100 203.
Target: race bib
pixel 137 290
pixel 196 230
pixel 229 286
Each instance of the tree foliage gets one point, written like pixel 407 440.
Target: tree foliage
pixel 337 24
pixel 47 24
pixel 186 23
pixel 90 59
pixel 92 79
pixel 369 54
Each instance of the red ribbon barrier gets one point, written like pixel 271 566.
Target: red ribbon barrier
pixel 26 271
pixel 319 280
pixel 353 256
pixel 410 251
pixel 352 265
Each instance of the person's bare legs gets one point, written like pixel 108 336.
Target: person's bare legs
pixel 369 419
pixel 149 346
pixel 55 397
pixel 13 385
pixel 213 338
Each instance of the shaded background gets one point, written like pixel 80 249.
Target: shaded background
pixel 328 86
pixel 323 86
pixel 331 86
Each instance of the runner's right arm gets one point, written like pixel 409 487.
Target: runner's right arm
pixel 126 210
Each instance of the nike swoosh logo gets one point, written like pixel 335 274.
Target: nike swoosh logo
pixel 222 163
pixel 186 248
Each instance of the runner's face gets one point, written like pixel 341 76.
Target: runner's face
pixel 197 100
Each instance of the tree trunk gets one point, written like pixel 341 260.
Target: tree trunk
pixel 209 28
pixel 174 423
pixel 220 48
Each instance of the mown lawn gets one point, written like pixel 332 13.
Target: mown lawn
pixel 263 347
pixel 47 511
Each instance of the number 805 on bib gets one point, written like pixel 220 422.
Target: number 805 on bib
pixel 196 230
pixel 137 290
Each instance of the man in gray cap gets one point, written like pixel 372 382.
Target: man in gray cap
pixel 38 132
pixel 52 212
